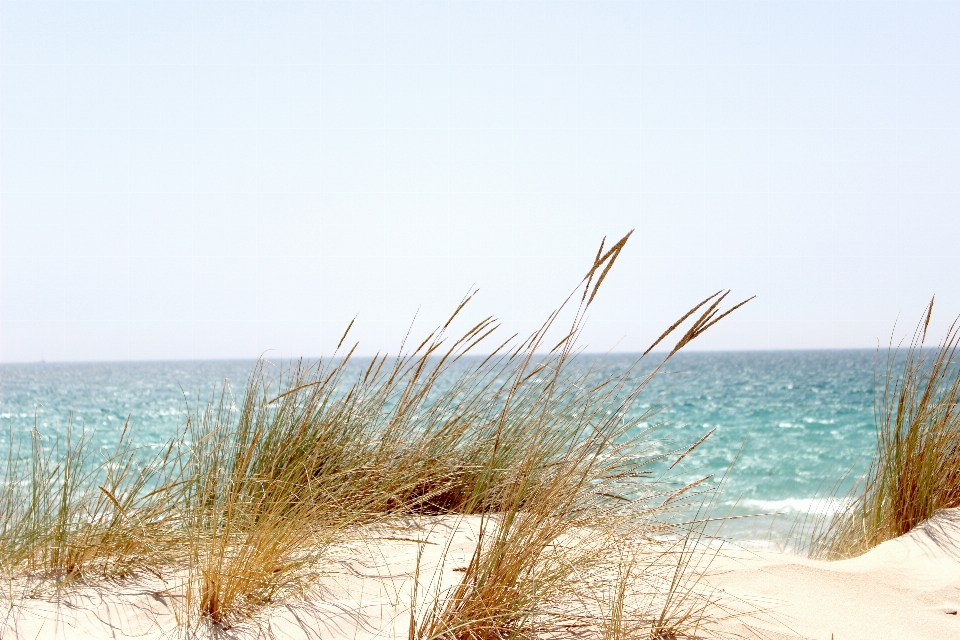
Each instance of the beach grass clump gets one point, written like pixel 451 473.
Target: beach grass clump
pixel 65 517
pixel 300 463
pixel 306 460
pixel 240 510
pixel 559 516
pixel 915 470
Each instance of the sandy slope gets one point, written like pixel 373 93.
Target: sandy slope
pixel 903 589
pixel 364 592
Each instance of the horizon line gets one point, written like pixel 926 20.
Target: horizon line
pixel 636 354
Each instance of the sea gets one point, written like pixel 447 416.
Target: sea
pixel 791 430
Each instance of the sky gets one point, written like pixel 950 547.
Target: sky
pixel 206 180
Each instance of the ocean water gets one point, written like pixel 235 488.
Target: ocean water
pixel 794 430
pixel 788 426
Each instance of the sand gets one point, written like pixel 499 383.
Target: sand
pixel 904 589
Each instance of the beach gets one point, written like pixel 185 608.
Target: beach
pixel 386 564
pixel 624 320
pixel 541 496
pixel 904 589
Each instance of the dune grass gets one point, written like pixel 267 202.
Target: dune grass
pixel 249 498
pixel 915 470
pixel 64 516
pixel 559 522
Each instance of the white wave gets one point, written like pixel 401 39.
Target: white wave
pixel 816 506
pixel 790 425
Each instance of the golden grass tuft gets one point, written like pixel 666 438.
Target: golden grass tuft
pixel 916 468
pixel 561 516
pixel 240 510
pixel 65 517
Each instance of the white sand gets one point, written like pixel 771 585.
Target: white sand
pixel 904 589
pixel 365 592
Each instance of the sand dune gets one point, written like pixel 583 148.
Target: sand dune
pixel 904 589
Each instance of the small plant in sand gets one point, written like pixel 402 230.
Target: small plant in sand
pixel 916 468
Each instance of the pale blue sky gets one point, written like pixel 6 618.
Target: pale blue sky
pixel 215 179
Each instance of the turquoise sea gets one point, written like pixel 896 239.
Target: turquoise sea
pixel 793 421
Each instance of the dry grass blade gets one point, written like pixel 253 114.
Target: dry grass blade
pixel 609 258
pixel 593 269
pixel 706 320
pixel 691 448
pixel 676 324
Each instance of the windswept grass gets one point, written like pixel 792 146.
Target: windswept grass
pixel 65 517
pixel 558 522
pixel 250 497
pixel 916 468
